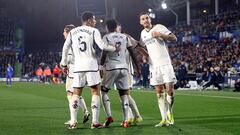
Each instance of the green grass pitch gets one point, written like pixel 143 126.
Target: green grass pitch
pixel 39 109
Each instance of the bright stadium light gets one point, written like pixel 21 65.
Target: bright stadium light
pixel 152 15
pixel 164 5
pixel 149 10
pixel 101 20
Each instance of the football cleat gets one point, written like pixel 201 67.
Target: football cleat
pixel 170 118
pixel 86 117
pixel 163 123
pixel 98 125
pixel 125 124
pixel 108 121
pixel 72 126
pixel 134 121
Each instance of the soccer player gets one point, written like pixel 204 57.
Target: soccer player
pixel 161 70
pixel 134 116
pixel 116 71
pixel 69 80
pixel 9 74
pixel 86 69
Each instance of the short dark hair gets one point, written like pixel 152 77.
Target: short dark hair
pixel 87 15
pixel 69 27
pixel 143 13
pixel 111 25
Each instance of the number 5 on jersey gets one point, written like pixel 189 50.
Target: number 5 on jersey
pixel 82 44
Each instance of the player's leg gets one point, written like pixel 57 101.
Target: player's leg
pixel 93 80
pixel 156 79
pixel 133 113
pixel 78 84
pixel 108 80
pixel 161 104
pixel 169 79
pixel 123 88
pixel 75 107
pixel 170 101
pixel 83 106
pixel 10 81
pixel 69 91
pixel 134 109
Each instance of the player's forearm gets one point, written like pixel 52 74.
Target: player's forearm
pixel 170 37
pixel 103 58
pixel 64 60
pixel 103 46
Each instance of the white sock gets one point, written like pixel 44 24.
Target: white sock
pixel 74 108
pixel 125 106
pixel 83 104
pixel 170 101
pixel 69 103
pixel 95 108
pixel 133 107
pixel 130 113
pixel 106 103
pixel 161 105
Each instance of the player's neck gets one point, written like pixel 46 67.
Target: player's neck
pixel 149 27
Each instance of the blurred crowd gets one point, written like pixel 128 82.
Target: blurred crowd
pixel 207 49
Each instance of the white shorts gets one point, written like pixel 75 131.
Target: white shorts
pixel 118 76
pixel 162 74
pixel 86 78
pixel 69 82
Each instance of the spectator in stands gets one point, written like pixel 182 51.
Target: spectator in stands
pixel 216 78
pixel 56 73
pixel 39 74
pixel 145 72
pixel 47 74
pixel 182 75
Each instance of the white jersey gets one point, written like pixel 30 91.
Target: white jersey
pixel 70 62
pixel 117 60
pixel 82 41
pixel 156 47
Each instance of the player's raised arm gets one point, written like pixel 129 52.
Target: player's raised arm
pixel 102 45
pixel 66 47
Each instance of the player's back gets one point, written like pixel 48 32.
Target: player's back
pixel 83 50
pixel 117 60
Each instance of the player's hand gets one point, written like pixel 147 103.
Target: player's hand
pixel 156 34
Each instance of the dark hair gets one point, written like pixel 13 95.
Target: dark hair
pixel 143 13
pixel 69 27
pixel 87 15
pixel 111 25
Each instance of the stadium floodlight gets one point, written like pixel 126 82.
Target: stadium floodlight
pixel 101 20
pixel 164 5
pixel 149 10
pixel 152 15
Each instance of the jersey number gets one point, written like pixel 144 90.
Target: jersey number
pixel 82 44
pixel 118 44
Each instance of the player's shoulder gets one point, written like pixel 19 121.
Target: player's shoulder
pixel 159 26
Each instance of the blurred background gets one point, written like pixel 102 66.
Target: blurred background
pixel 208 33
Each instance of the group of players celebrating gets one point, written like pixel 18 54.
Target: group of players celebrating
pixel 79 61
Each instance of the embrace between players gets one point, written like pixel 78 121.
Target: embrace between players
pixel 79 61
